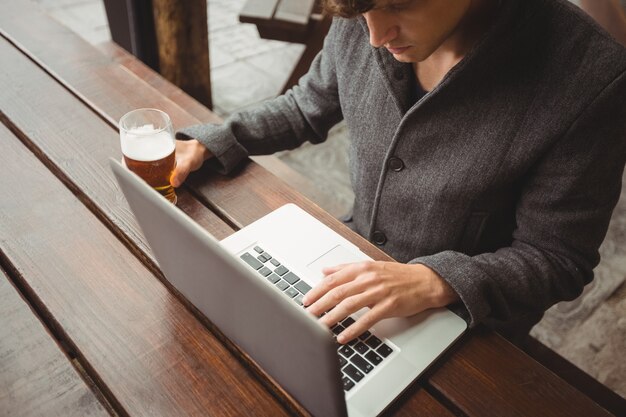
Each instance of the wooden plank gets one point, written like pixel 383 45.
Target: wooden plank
pixel 576 377
pixel 36 378
pixel 416 401
pixel 295 11
pixel 69 144
pixel 183 44
pixel 491 377
pixel 255 10
pixel 157 82
pixel 80 67
pixel 289 21
pixel 145 351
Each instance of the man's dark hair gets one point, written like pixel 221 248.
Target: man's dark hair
pixel 347 8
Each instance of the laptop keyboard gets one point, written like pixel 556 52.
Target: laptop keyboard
pixel 358 357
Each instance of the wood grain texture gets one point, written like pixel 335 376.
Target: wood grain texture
pixel 36 378
pixel 417 402
pixel 146 351
pixel 491 377
pixel 76 143
pixel 183 44
pixel 156 81
pixel 80 67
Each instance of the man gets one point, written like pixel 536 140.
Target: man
pixel 488 141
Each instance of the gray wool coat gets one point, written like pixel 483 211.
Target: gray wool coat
pixel 502 179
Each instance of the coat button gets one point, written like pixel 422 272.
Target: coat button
pixel 379 238
pixel 395 164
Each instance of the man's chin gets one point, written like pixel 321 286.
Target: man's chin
pixel 405 58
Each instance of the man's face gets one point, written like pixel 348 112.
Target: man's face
pixel 413 29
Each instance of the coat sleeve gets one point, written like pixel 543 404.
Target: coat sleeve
pixel 561 219
pixel 304 113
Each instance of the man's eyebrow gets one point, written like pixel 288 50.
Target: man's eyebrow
pixel 391 3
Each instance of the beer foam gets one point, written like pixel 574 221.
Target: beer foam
pixel 139 144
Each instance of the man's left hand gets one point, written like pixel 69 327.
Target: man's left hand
pixel 390 289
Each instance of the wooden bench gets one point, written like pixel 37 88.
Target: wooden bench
pixel 298 21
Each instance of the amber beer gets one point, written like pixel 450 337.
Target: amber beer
pixel 148 147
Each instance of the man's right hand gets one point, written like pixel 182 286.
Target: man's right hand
pixel 190 155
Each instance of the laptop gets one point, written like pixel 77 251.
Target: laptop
pixel 251 284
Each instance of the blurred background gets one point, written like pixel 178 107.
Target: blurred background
pixel 246 69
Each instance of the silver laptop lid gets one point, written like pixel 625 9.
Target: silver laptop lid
pixel 288 343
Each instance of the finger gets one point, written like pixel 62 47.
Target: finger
pixel 342 274
pixel 332 269
pixel 180 174
pixel 328 283
pixel 343 300
pixel 350 305
pixel 363 324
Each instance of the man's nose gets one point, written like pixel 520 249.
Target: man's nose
pixel 382 30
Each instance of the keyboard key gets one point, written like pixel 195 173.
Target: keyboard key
pixel 262 258
pixel 348 321
pixel 384 350
pixel 251 260
pixel 291 292
pixel 353 373
pixel 298 300
pixel 346 351
pixel 362 364
pixel 365 335
pixel 302 286
pixel 267 256
pixel 258 249
pixel 347 384
pixel 373 357
pixel 265 271
pixel 361 348
pixel 342 362
pixel 373 342
pixel 275 262
pixel 281 270
pixel 338 328
pixel 291 278
pixel 273 278
pixel 282 285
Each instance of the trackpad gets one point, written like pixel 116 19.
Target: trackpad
pixel 336 256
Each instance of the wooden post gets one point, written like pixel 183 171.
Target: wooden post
pixel 182 35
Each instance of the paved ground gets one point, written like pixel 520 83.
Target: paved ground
pixel 590 331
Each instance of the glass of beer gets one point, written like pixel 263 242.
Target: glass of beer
pixel 148 145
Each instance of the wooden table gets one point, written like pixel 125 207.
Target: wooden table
pixel 88 326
